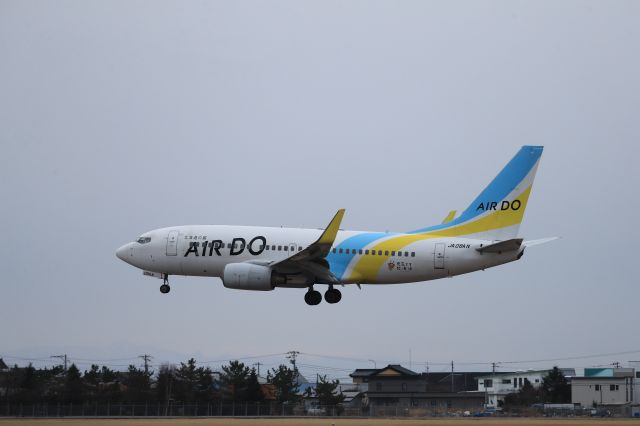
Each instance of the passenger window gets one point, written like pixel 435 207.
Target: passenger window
pixel 366 252
pixel 399 254
pixel 267 248
pixel 373 252
pixel 386 253
pixel 413 254
pixel 261 247
pixel 406 254
pixel 286 248
pixel 299 248
pixel 228 245
pixel 393 253
pixel 360 251
pixel 379 252
pixel 279 248
pixel 340 251
pixel 334 250
pixel 273 248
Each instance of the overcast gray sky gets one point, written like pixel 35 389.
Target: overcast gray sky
pixel 121 117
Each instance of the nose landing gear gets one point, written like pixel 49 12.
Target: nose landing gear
pixel 164 288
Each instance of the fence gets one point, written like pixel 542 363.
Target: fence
pixel 253 409
pixel 241 409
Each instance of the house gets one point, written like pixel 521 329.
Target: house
pixel 4 369
pixel 496 386
pixel 604 386
pixel 395 385
pixel 361 375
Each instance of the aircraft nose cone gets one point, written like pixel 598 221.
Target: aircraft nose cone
pixel 121 253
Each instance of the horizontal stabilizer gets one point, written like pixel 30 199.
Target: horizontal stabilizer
pixel 540 241
pixel 449 217
pixel 500 246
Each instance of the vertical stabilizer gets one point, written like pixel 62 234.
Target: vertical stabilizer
pixel 497 212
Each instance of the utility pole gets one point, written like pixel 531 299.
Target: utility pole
pixel 426 366
pixel 146 359
pixel 452 376
pixel 258 364
pixel 64 357
pixel 292 357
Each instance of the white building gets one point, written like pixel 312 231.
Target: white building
pixel 497 386
pixel 636 384
pixel 605 386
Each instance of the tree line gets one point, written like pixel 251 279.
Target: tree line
pixel 184 383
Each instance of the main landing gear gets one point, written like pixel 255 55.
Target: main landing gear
pixel 164 288
pixel 313 297
pixel 332 295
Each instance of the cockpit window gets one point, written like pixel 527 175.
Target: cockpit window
pixel 144 240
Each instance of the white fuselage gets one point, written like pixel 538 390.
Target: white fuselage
pixel 356 257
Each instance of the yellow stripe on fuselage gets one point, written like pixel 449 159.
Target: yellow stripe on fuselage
pixel 366 269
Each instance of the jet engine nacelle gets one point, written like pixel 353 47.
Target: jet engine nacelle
pixel 247 276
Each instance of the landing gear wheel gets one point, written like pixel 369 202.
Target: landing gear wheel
pixel 164 288
pixel 312 297
pixel 332 295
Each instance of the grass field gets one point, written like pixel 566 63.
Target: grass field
pixel 318 422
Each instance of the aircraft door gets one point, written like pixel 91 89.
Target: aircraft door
pixel 293 249
pixel 172 243
pixel 438 256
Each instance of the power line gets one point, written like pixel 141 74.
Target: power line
pixel 571 357
pixel 217 361
pixel 294 355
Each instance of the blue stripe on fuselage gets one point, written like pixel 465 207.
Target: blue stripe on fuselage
pixel 338 262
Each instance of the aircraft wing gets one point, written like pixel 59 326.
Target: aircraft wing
pixel 311 261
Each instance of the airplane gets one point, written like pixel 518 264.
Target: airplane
pixel 484 235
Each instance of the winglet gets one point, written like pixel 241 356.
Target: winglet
pixel 449 217
pixel 329 234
